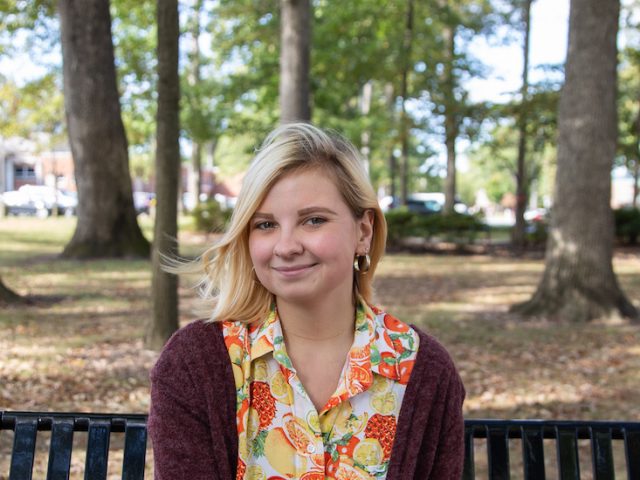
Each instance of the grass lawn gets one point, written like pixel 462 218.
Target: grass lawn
pixel 80 346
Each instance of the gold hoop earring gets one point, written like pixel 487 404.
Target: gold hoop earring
pixel 362 263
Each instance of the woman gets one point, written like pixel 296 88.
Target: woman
pixel 296 374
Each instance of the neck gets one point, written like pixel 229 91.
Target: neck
pixel 317 324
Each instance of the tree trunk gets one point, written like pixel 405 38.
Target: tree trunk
pixel 450 117
pixel 578 283
pixel 636 182
pixel 8 296
pixel 404 118
pixel 389 95
pixel 518 238
pixel 165 285
pixel 107 225
pixel 295 47
pixel 195 179
pixel 636 165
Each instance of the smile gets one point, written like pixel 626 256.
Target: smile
pixel 293 270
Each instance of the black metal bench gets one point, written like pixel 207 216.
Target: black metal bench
pixel 496 436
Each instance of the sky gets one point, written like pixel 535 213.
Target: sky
pixel 548 45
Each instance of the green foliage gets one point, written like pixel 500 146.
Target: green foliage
pixel 454 227
pixel 493 159
pixel 134 38
pixel 627 222
pixel 37 107
pixel 629 109
pixel 210 217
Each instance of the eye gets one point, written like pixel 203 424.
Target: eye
pixel 315 221
pixel 264 225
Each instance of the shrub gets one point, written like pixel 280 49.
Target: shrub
pixel 210 217
pixel 537 232
pixel 455 227
pixel 401 223
pixel 627 222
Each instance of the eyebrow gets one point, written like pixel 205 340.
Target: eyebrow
pixel 302 212
pixel 308 210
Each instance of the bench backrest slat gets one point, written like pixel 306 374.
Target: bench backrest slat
pixel 468 472
pixel 533 453
pixel 498 436
pixel 24 446
pixel 60 449
pixel 135 449
pixel 97 450
pixel 632 451
pixel 498 453
pixel 602 454
pixel 567 448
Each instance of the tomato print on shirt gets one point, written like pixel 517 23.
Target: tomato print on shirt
pixel 281 435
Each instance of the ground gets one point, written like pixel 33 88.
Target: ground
pixel 79 347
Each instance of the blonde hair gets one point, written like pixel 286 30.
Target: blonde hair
pixel 229 281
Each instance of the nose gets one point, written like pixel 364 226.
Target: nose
pixel 288 244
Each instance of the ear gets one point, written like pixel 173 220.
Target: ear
pixel 365 232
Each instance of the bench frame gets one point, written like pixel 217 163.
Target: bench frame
pixel 566 434
pixel 497 433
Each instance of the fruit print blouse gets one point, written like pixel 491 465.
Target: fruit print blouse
pixel 281 434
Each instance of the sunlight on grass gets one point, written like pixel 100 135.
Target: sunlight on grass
pixel 80 346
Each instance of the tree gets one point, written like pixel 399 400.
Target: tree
pixel 578 283
pixel 164 284
pixel 404 119
pixel 8 296
pixel 295 46
pixel 456 22
pixel 107 225
pixel 518 235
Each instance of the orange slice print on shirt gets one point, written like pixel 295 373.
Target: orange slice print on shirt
pixel 301 438
pixel 360 376
pixel 359 354
pixel 313 476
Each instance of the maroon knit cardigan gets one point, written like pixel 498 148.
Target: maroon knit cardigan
pixel 192 422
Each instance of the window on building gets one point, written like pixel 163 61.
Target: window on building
pixel 24 172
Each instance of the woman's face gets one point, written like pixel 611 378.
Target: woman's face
pixel 303 239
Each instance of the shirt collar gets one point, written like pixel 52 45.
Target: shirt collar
pixel 371 346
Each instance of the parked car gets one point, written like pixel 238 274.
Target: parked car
pixel 39 200
pixel 433 202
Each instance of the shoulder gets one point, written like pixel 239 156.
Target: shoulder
pixel 197 336
pixel 435 370
pixel 195 345
pixel 432 352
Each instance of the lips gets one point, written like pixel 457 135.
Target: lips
pixel 293 269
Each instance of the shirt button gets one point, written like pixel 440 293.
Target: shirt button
pixel 311 448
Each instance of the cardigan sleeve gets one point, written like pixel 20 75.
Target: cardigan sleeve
pixel 188 437
pixel 429 443
pixel 449 456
